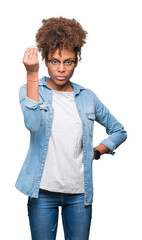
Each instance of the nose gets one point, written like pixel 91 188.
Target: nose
pixel 61 67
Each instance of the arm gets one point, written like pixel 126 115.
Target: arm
pixel 31 63
pixel 29 95
pixel 115 130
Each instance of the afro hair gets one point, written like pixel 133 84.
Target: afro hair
pixel 58 33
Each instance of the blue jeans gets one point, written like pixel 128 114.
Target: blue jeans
pixel 43 215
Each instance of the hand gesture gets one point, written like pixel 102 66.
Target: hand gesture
pixel 30 59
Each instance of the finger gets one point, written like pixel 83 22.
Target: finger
pixel 26 54
pixel 35 56
pixel 30 54
pixel 34 53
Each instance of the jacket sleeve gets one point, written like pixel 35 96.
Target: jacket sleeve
pixel 114 128
pixel 30 109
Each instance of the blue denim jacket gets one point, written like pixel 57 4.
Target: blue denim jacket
pixel 38 117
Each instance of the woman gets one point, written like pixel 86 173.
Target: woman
pixel 60 116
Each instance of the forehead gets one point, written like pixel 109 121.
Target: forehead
pixel 64 54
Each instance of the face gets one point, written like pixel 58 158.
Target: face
pixel 60 76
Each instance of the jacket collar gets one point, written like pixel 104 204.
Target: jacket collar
pixel 76 87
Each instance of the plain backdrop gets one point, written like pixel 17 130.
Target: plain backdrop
pixel 111 67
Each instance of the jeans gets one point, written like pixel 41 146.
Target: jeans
pixel 43 215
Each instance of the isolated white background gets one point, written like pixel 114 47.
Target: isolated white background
pixel 112 67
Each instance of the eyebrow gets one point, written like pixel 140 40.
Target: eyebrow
pixel 64 60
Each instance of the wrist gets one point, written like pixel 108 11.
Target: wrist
pixel 102 149
pixel 97 154
pixel 32 75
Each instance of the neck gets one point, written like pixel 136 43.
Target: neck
pixel 65 88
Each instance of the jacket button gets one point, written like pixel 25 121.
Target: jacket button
pixel 44 149
pixel 38 181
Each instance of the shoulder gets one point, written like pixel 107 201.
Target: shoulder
pixel 84 90
pixel 87 92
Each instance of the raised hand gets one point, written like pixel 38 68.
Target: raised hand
pixel 30 59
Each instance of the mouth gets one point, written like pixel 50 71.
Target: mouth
pixel 60 77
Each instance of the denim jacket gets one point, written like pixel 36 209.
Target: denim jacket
pixel 38 117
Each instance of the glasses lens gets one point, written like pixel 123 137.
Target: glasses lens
pixel 68 64
pixel 54 63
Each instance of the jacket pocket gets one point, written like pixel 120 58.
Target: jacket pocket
pixel 90 120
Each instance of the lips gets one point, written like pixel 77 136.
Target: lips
pixel 60 77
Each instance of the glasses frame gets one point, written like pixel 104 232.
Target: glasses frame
pixel 73 61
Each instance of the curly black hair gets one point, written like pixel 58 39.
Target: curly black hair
pixel 58 33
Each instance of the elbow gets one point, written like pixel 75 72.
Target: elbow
pixel 124 135
pixel 32 119
pixel 32 127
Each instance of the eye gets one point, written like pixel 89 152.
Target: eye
pixel 54 62
pixel 68 62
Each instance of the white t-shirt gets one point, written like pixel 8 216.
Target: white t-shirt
pixel 64 168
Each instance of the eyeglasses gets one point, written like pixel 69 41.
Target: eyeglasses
pixel 68 64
